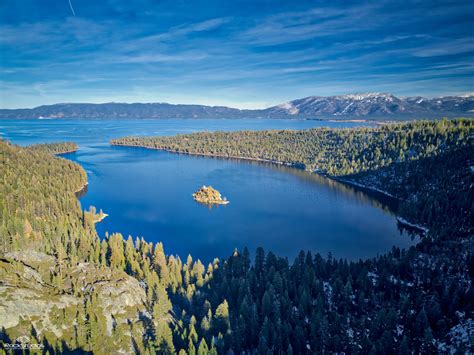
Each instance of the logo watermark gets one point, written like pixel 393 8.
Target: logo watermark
pixel 23 343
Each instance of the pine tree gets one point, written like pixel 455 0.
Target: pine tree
pixel 203 348
pixel 221 318
pixel 160 264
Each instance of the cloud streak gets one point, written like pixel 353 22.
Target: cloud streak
pixel 72 9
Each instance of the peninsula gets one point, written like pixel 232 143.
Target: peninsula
pixel 209 195
pixel 95 216
pixel 55 148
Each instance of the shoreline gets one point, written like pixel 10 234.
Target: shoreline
pixel 84 187
pixel 362 186
pixel 81 192
pixel 290 118
pixel 418 227
pixel 212 202
pixel 386 194
pixel 66 152
pixel 101 218
pixel 298 166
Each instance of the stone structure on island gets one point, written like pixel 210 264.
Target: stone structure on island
pixel 210 196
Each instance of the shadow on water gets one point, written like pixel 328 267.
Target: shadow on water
pixel 82 192
pixel 362 195
pixel 341 189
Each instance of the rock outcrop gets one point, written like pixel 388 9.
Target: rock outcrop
pixel 36 290
pixel 209 195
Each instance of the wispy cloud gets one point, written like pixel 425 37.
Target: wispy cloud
pixel 446 47
pixel 289 27
pixel 240 52
pixel 159 58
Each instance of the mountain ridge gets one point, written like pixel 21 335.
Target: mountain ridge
pixel 362 105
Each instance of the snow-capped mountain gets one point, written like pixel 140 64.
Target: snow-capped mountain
pixel 367 106
pixel 370 104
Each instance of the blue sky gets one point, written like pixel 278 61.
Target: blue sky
pixel 246 54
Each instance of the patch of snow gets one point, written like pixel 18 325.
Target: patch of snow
pixel 328 291
pixel 459 337
pixel 289 107
pixel 350 182
pixel 345 109
pixel 369 95
pixel 373 277
pixel 350 333
pixel 417 226
pixel 460 315
pixel 295 310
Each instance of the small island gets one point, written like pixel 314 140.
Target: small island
pixel 210 196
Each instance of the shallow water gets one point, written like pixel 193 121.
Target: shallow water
pixel 148 193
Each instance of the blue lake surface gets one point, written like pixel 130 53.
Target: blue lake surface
pixel 148 193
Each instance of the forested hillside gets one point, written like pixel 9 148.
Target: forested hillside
pixel 334 152
pixel 126 295
pixel 436 191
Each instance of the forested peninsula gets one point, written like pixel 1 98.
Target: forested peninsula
pixel 55 148
pixel 330 151
pixel 69 290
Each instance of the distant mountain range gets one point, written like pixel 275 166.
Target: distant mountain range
pixel 376 105
pixel 358 106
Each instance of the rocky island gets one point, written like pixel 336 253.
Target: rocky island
pixel 209 195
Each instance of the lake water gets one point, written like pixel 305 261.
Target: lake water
pixel 148 193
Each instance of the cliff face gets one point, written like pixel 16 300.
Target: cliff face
pixel 39 292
